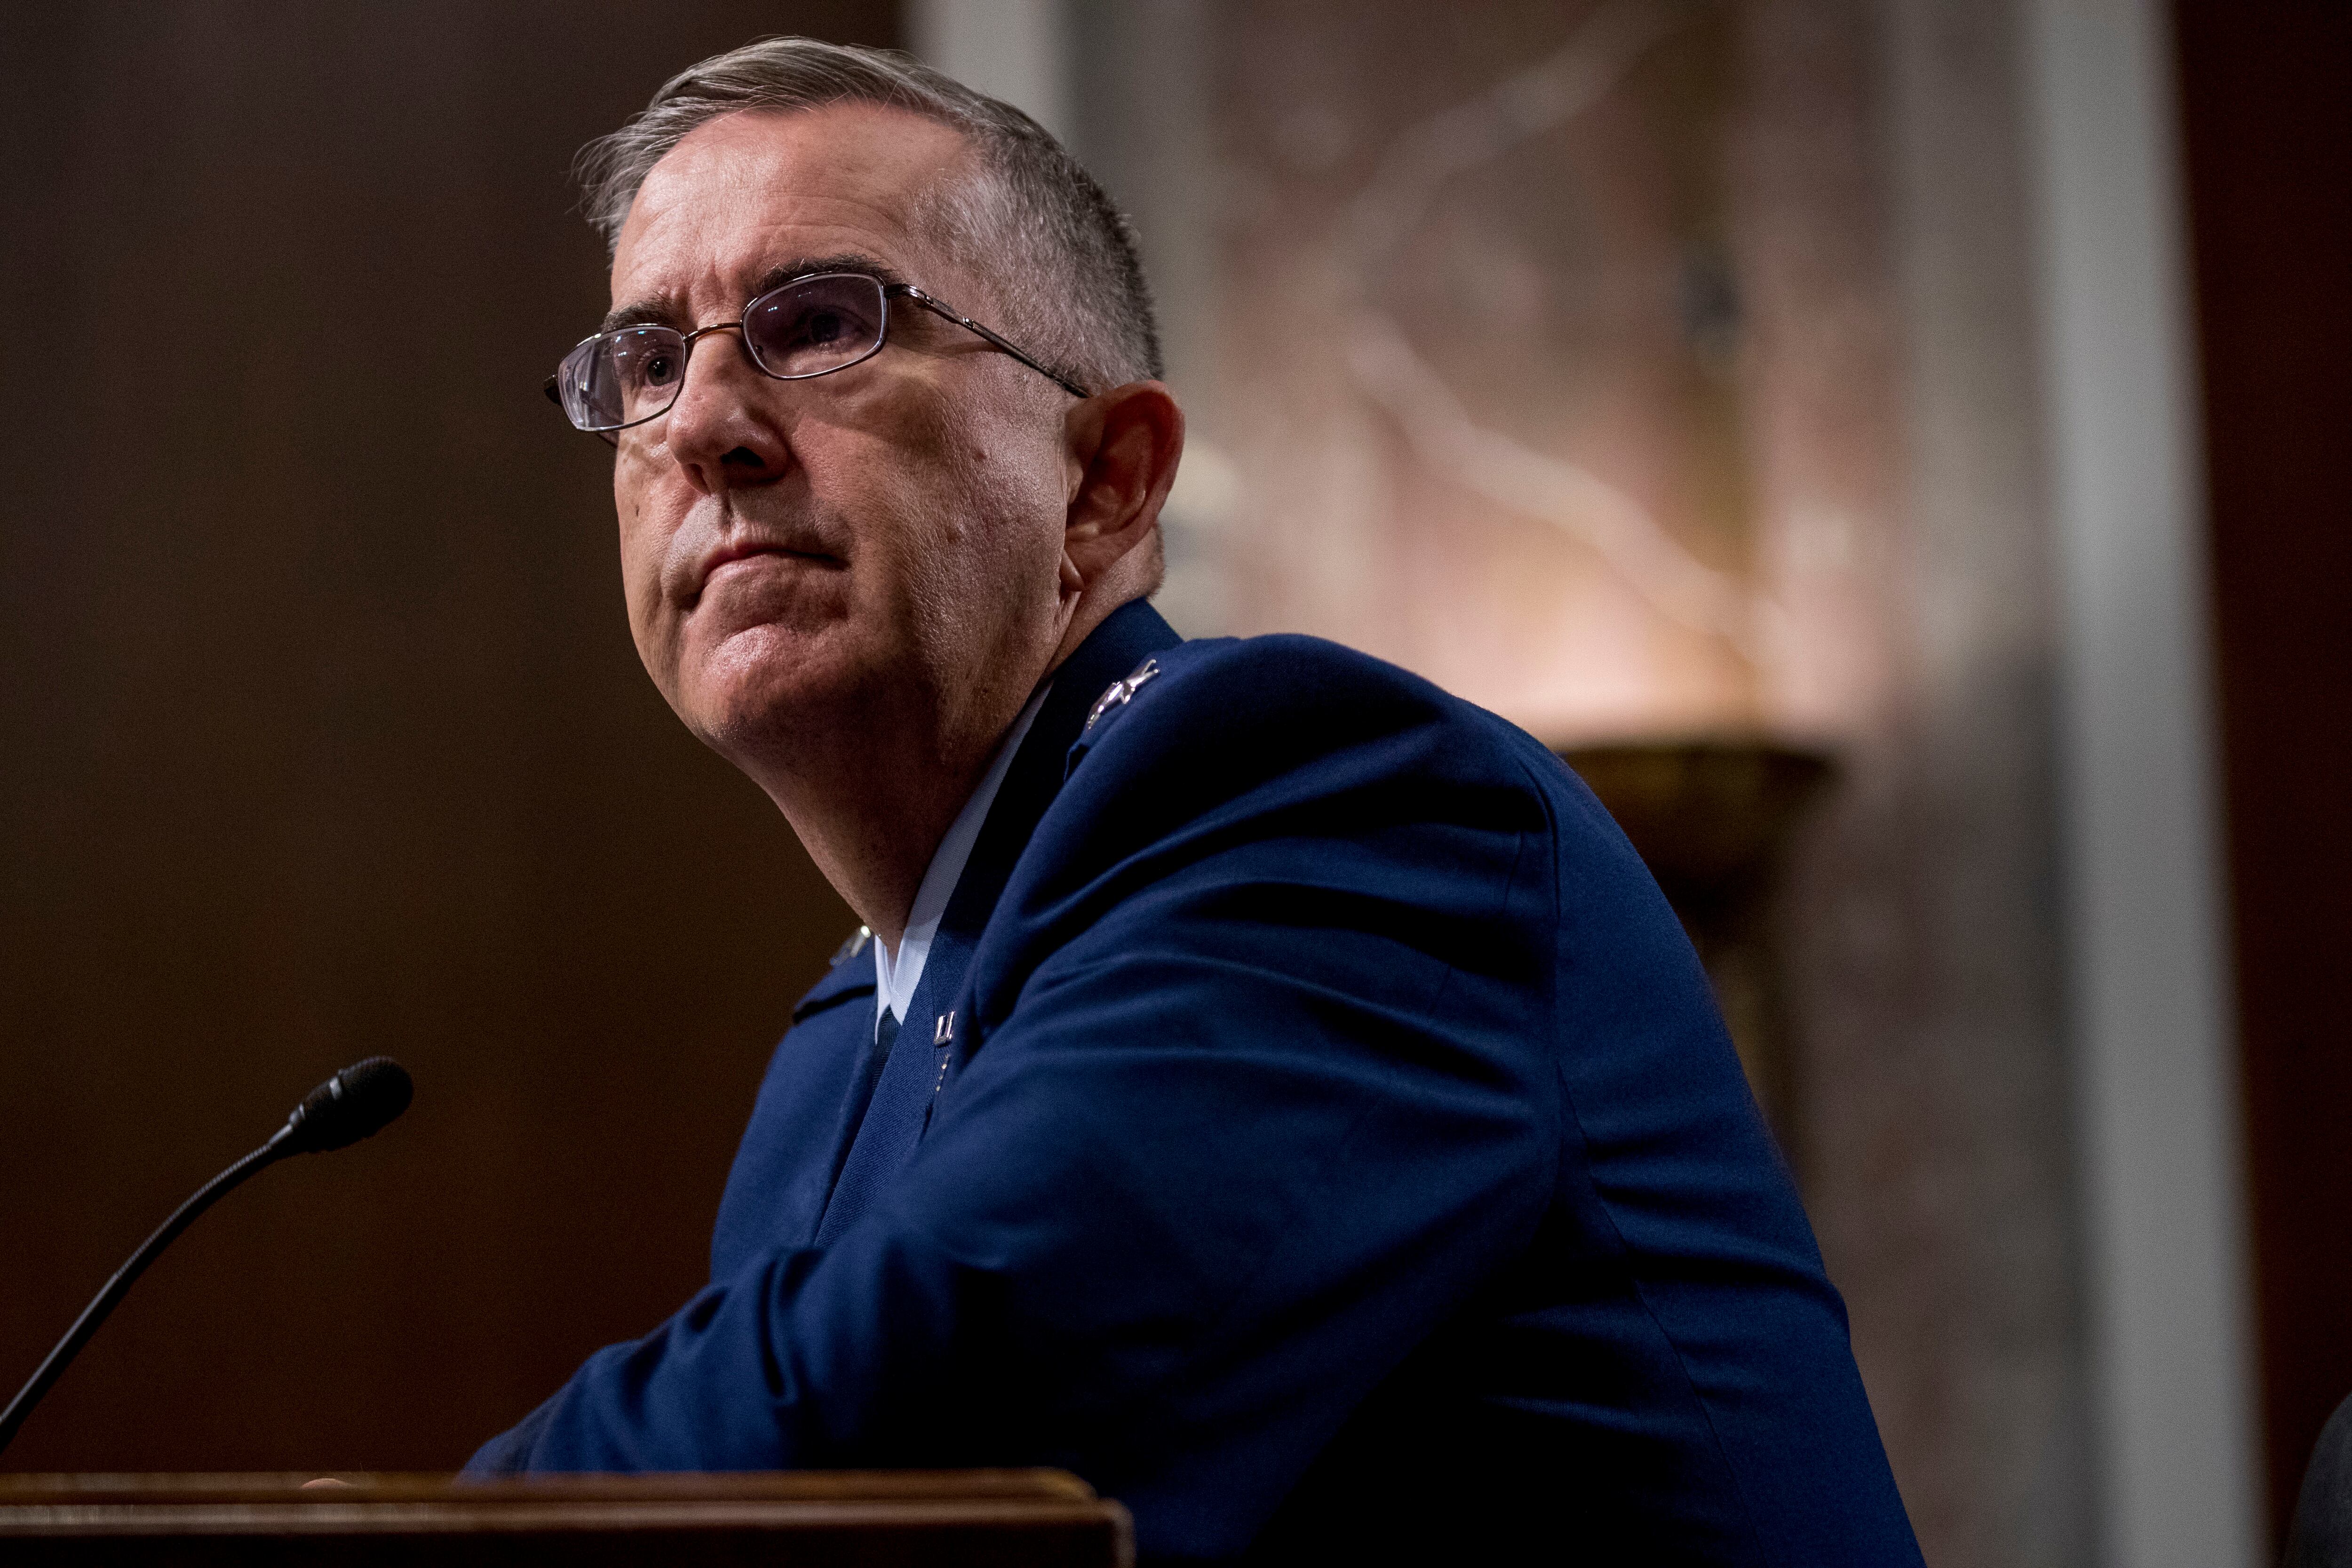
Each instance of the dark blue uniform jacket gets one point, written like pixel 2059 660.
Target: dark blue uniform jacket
pixel 1313 1129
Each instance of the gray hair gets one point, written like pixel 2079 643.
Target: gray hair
pixel 1060 256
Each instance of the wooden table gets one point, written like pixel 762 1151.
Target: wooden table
pixel 872 1519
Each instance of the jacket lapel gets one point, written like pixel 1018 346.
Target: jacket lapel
pixel 900 1108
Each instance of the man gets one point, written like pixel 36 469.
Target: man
pixel 1273 1089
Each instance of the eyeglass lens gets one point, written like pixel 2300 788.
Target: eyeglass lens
pixel 808 327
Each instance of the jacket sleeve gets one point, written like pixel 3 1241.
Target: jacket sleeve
pixel 1258 1089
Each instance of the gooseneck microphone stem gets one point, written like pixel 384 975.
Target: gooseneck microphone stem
pixel 53 1366
pixel 356 1103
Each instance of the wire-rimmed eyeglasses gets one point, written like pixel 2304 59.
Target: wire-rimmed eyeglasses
pixel 810 326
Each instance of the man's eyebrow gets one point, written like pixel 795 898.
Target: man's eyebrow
pixel 815 266
pixel 661 314
pixel 646 313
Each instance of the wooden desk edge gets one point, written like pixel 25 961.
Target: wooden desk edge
pixel 374 1488
pixel 804 1503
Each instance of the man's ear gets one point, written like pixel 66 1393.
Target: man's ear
pixel 1123 446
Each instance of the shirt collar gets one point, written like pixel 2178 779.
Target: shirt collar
pixel 896 976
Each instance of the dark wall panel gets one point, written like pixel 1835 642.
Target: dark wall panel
pixel 2267 105
pixel 321 733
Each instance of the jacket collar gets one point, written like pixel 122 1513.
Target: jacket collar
pixel 1128 636
pixel 889 1125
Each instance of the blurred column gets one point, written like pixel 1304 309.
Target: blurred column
pixel 1017 50
pixel 2155 1087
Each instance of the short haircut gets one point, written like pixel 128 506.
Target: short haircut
pixel 1034 222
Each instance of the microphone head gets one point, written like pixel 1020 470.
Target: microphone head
pixel 357 1102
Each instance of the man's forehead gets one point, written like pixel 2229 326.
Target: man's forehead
pixel 743 194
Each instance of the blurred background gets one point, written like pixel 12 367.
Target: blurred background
pixel 1890 445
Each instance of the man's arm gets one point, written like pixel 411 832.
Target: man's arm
pixel 508 1453
pixel 1262 1091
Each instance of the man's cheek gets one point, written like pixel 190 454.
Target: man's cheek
pixel 644 538
pixel 645 546
pixel 641 588
pixel 653 620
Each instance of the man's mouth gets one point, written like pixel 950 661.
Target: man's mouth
pixel 745 553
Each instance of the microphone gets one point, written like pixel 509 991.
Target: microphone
pixel 357 1102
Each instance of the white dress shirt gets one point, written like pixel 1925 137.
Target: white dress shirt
pixel 895 978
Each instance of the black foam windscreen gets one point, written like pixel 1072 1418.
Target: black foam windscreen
pixel 357 1102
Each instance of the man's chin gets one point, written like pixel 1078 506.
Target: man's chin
pixel 761 688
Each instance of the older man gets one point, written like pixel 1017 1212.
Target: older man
pixel 1273 1088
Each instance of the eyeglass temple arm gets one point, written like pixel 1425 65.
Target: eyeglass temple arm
pixel 556 397
pixel 939 308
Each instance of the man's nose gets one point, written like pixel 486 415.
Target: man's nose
pixel 721 431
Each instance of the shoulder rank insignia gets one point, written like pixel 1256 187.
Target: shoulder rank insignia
pixel 850 948
pixel 1119 692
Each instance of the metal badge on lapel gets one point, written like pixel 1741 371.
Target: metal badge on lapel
pixel 1119 692
pixel 851 948
pixel 942 1036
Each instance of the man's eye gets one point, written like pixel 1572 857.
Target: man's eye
pixel 644 359
pixel 821 328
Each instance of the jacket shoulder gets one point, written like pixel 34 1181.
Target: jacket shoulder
pixel 849 972
pixel 1286 697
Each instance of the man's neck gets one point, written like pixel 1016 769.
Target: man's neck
pixel 872 813
pixel 871 795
